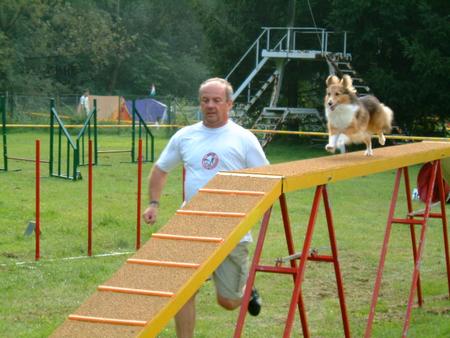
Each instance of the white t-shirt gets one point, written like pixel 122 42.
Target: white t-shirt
pixel 84 102
pixel 205 151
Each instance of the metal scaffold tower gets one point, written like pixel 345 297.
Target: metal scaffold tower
pixel 268 56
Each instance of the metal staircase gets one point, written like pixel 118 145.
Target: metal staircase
pixel 274 118
pixel 267 57
pixel 269 119
pixel 343 67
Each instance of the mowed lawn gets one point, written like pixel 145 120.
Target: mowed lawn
pixel 37 297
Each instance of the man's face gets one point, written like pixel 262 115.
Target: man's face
pixel 214 105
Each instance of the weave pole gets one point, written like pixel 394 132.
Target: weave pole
pixel 138 212
pixel 90 181
pixel 37 229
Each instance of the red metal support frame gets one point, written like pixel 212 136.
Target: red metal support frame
pixel 139 189
pixel 90 186
pixel 297 271
pixel 412 232
pixel 436 176
pixel 252 274
pixel 37 229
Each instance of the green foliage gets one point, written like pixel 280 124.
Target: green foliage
pixel 121 47
pixel 402 50
pixel 107 46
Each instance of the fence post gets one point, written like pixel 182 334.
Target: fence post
pixel 133 130
pixel 95 133
pixel 5 151
pixel 50 165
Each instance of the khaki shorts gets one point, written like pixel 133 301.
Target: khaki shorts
pixel 231 276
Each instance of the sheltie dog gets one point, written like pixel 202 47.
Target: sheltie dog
pixel 353 119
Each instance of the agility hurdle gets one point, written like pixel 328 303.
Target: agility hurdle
pixel 139 123
pixel 162 276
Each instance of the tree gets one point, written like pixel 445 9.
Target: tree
pixel 402 50
pixel 109 46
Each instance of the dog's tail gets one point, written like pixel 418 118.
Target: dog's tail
pixel 389 116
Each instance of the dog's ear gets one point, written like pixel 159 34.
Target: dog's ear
pixel 332 79
pixel 347 83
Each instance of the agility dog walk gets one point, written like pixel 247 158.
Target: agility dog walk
pixel 149 289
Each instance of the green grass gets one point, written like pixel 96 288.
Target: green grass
pixel 37 297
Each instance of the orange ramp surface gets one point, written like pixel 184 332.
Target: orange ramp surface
pixel 149 290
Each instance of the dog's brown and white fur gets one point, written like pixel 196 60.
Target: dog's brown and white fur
pixel 353 119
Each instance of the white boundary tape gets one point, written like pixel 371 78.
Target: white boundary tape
pixel 72 258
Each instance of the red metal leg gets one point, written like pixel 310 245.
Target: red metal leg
pixel 384 248
pixel 291 251
pixel 90 189
pixel 412 232
pixel 252 274
pixel 420 249
pixel 296 271
pixel 303 259
pixel 435 178
pixel 37 229
pixel 444 222
pixel 337 269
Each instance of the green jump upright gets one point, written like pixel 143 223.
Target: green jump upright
pixel 139 123
pixel 71 150
pixel 89 128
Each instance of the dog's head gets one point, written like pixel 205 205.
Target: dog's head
pixel 339 91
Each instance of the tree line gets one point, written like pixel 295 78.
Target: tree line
pixel 401 48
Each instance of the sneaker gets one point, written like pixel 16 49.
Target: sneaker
pixel 254 305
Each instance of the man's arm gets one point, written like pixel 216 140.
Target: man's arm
pixel 156 183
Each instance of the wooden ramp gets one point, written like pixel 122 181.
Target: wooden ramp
pixel 154 284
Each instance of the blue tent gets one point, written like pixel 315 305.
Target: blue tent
pixel 149 109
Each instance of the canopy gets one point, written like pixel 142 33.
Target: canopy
pixel 150 110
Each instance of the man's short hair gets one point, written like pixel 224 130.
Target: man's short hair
pixel 228 87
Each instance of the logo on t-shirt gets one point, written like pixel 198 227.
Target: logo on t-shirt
pixel 210 161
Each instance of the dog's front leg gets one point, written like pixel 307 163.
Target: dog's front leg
pixel 332 141
pixel 369 151
pixel 342 140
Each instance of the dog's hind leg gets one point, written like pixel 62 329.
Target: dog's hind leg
pixel 381 138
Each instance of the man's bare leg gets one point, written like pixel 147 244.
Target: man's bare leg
pixel 228 304
pixel 185 320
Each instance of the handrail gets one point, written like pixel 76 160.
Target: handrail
pixel 245 55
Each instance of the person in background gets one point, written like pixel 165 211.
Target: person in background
pixel 205 148
pixel 152 91
pixel 84 102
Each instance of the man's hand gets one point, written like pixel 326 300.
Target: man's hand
pixel 150 214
